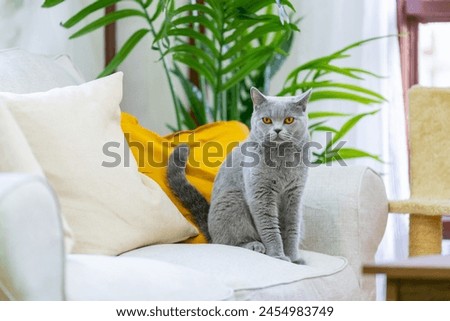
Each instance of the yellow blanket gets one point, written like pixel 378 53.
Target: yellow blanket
pixel 209 145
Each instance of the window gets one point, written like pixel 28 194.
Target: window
pixel 434 54
pixel 411 15
pixel 425 26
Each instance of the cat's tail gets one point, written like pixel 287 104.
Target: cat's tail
pixel 188 195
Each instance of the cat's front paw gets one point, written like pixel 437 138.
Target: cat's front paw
pixel 299 261
pixel 294 255
pixel 255 246
pixel 282 257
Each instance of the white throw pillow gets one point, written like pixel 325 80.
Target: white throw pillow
pixel 111 210
pixel 24 72
pixel 17 156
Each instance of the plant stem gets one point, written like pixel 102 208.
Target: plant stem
pixel 165 65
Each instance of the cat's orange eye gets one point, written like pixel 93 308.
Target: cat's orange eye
pixel 267 120
pixel 289 120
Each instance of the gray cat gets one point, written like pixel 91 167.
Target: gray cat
pixel 256 197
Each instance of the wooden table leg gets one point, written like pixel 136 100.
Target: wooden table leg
pixel 392 290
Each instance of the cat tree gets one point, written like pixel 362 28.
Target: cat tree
pixel 429 148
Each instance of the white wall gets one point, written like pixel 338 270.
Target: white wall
pixel 24 24
pixel 322 32
pixel 146 91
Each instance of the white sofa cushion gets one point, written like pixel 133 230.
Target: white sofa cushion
pixel 23 72
pixel 104 278
pixel 255 276
pixel 111 209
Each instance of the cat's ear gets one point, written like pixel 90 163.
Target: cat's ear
pixel 302 100
pixel 257 97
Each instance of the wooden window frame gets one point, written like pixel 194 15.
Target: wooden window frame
pixel 110 37
pixel 409 14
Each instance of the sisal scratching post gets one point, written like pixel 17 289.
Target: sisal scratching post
pixel 429 132
pixel 425 235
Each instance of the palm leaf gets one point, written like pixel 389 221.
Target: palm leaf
pixel 234 49
pixel 252 64
pixel 190 21
pixel 246 39
pixel 106 20
pixel 362 42
pixel 255 6
pixel 195 64
pixel 348 125
pixel 161 6
pixel 278 60
pixel 325 114
pixel 246 58
pixel 324 129
pixel 199 8
pixel 197 36
pixel 315 125
pixel 194 51
pixel 187 118
pixel 194 96
pixel 346 153
pixel 86 11
pixel 124 51
pixel 352 91
pixel 51 3
pixel 332 94
pixel 313 64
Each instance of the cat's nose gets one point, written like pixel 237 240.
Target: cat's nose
pixel 278 130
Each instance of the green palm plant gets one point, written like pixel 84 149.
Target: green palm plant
pixel 233 45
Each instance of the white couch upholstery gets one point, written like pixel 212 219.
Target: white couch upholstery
pixel 345 216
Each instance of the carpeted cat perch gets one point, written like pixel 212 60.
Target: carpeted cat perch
pixel 429 143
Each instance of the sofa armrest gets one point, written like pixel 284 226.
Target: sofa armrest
pixel 31 239
pixel 345 213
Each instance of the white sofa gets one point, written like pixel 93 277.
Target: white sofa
pixel 345 212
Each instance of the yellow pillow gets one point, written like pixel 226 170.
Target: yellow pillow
pixel 210 144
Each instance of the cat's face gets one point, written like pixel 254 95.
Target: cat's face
pixel 279 119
